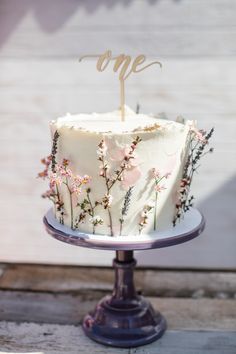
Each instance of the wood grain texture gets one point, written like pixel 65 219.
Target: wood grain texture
pixel 40 78
pixel 44 315
pixel 177 342
pixel 78 280
pixel 174 29
pixel 87 15
pixel 181 43
pixel 197 89
pixel 49 339
pixel 205 314
pixel 54 339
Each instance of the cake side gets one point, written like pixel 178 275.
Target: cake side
pixel 113 179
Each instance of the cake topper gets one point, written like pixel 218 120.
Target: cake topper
pixel 125 66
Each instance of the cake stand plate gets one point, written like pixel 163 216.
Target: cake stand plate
pixel 187 229
pixel 126 319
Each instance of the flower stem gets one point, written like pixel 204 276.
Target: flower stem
pixel 108 190
pixel 156 195
pixel 92 210
pixel 71 206
pixel 59 201
pixel 155 212
pixel 71 211
pixel 121 225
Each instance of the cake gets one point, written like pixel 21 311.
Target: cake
pixel 108 177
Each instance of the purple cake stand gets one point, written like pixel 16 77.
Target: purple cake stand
pixel 125 319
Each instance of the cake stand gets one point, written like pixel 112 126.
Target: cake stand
pixel 126 319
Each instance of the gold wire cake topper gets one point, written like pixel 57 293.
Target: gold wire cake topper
pixel 125 66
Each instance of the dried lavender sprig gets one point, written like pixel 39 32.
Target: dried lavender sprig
pixel 201 148
pixel 125 207
pixel 127 201
pixel 197 152
pixel 54 151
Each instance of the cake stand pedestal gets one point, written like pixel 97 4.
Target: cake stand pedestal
pixel 126 319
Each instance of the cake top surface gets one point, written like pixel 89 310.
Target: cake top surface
pixel 110 122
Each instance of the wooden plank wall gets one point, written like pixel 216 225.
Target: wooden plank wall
pixel 40 78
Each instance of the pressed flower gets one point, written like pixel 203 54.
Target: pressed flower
pixel 65 162
pixel 54 180
pixel 49 193
pixel 127 171
pixel 155 173
pixel 75 188
pixel 130 177
pixel 167 175
pixel 150 205
pixel 86 179
pixel 107 200
pixel 43 174
pixel 159 188
pixel 198 140
pixel 65 171
pixel 61 174
pixel 158 178
pixel 78 179
pixel 46 162
pixel 96 220
pixel 147 209
pixel 102 149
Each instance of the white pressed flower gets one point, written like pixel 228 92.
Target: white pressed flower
pixel 144 213
pixel 150 205
pixel 107 200
pixel 96 219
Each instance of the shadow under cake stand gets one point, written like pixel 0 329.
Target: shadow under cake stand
pixel 126 319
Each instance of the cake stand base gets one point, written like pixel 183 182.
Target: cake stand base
pixel 124 319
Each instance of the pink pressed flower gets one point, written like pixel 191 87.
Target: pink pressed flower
pixel 130 177
pixel 155 173
pixel 86 179
pixel 118 154
pixel 43 174
pixel 102 172
pixel 49 193
pixel 184 182
pixel 200 136
pixel 61 170
pixel 54 180
pixel 78 179
pixel 159 188
pixel 167 175
pixel 46 162
pixel 75 189
pixel 65 162
pixel 65 171
pixel 125 155
pixel 68 172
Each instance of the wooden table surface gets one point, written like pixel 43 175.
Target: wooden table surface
pixel 41 79
pixel 41 308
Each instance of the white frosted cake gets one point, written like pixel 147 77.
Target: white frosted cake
pixel 119 178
